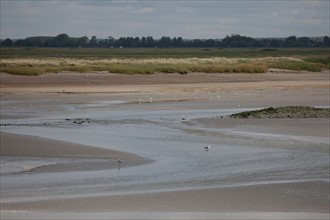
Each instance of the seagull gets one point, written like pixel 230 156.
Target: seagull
pixel 207 148
pixel 140 101
pixel 150 100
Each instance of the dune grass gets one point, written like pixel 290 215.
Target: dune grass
pixel 183 66
pixel 36 61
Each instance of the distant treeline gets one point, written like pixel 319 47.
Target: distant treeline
pixel 235 40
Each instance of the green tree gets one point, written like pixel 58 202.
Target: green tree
pixel 164 42
pixel 275 43
pixel 93 41
pixel 143 42
pixel 150 42
pixel 61 40
pixel 305 42
pixel 291 41
pixel 326 41
pixel 111 41
pixel 7 43
pixel 83 41
pixel 136 42
pixel 236 40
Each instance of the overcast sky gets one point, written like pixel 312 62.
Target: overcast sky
pixel 188 19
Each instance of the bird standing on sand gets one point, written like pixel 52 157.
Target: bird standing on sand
pixel 119 164
pixel 207 148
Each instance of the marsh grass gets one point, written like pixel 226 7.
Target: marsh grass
pixel 320 60
pixel 297 65
pixel 37 61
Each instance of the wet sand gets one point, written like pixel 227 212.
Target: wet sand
pixel 164 83
pixel 249 90
pixel 281 197
pixel 23 145
pixel 315 127
pixel 84 158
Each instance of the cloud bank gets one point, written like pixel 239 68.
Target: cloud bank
pixel 189 19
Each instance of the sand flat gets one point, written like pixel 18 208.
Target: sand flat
pixel 316 127
pixel 169 83
pixel 24 145
pixel 281 197
pixel 24 149
pixel 291 199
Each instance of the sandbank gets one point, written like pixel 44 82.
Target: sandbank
pixel 30 146
pixel 316 127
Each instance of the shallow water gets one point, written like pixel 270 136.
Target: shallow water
pixel 156 131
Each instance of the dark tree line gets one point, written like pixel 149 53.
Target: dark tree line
pixel 235 40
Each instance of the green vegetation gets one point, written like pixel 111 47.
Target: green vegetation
pixel 285 112
pixel 298 65
pixel 35 61
pixel 232 41
pixel 143 53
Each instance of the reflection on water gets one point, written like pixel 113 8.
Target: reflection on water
pixel 177 149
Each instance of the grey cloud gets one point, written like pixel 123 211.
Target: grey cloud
pixel 189 19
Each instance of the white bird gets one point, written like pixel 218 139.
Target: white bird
pixel 119 161
pixel 150 100
pixel 140 101
pixel 207 148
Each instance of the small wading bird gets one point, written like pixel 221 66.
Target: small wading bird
pixel 207 148
pixel 119 164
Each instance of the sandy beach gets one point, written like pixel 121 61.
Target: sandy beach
pixel 46 97
pixel 164 83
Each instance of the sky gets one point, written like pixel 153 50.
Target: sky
pixel 190 19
